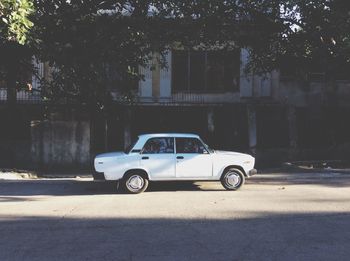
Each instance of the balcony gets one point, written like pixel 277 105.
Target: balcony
pixel 184 98
pixel 23 97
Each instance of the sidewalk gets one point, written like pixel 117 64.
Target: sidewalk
pixel 318 166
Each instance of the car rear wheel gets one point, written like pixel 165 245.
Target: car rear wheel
pixel 232 179
pixel 135 183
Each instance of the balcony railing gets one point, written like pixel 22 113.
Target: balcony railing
pixel 26 97
pixel 183 98
pixel 22 96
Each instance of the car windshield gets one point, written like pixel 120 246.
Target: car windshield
pixel 210 149
pixel 129 148
pixel 207 147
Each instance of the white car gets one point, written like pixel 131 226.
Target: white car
pixel 173 156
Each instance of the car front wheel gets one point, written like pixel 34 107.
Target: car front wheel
pixel 135 183
pixel 232 179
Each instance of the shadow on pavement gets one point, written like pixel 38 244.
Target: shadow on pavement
pixel 328 179
pixel 15 199
pixel 293 236
pixel 182 186
pixel 74 187
pixel 55 187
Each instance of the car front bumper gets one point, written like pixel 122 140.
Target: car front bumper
pixel 252 172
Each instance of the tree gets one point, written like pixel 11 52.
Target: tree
pixel 14 20
pixel 82 39
pixel 85 39
pixel 15 55
pixel 312 32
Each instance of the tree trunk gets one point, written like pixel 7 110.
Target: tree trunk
pixel 11 85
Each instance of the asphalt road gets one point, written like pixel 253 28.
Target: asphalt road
pixel 276 216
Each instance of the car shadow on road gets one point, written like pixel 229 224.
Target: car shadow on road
pixel 64 187
pixel 183 186
pixel 14 188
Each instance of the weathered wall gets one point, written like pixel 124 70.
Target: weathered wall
pixel 60 144
pixel 15 137
pixel 314 94
pixel 274 133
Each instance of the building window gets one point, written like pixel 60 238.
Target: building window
pixel 206 71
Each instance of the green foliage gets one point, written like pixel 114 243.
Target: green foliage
pixel 93 48
pixel 15 55
pixel 97 45
pixel 14 20
pixel 313 36
pixel 85 39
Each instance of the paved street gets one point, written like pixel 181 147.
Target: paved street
pixel 279 216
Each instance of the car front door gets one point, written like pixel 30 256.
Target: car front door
pixel 193 160
pixel 158 158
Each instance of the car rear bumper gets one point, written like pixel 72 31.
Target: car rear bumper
pixel 252 172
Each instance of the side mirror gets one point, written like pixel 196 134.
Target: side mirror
pixel 204 151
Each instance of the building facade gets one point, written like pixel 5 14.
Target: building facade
pixel 273 116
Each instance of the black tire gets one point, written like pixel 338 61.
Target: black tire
pixel 232 179
pixel 135 182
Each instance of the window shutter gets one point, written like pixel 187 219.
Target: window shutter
pixel 246 80
pixel 165 77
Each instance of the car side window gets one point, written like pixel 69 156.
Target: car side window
pixel 158 145
pixel 190 145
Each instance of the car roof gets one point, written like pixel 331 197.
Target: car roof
pixel 176 135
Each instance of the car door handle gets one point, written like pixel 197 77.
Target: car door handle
pixel 180 157
pixel 144 158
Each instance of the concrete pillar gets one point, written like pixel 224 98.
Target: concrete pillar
pixel 211 125
pixel 252 133
pixel 275 83
pixel 292 127
pixel 36 130
pixel 127 128
pixel 106 135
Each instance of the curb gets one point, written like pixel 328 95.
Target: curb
pixel 63 176
pixel 31 176
pixel 17 176
pixel 292 166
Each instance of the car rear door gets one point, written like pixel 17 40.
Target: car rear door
pixel 158 158
pixel 193 160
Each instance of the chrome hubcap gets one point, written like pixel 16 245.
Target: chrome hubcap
pixel 135 183
pixel 233 179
